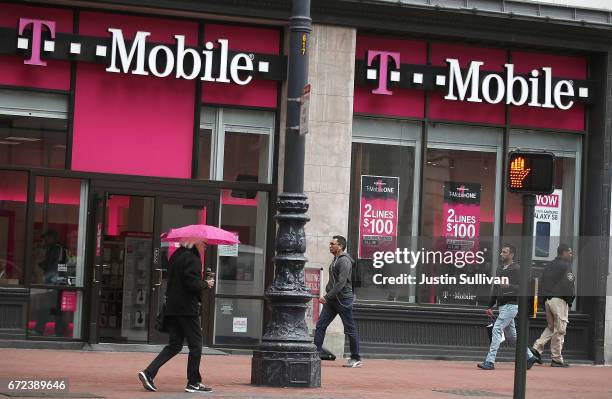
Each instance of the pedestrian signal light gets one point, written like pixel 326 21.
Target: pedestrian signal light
pixel 531 172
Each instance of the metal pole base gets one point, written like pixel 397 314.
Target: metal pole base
pixel 286 365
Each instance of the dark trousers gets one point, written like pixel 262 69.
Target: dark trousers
pixel 181 328
pixel 344 308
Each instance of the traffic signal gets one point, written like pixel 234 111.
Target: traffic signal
pixel 531 172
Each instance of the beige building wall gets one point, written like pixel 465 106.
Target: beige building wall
pixel 328 150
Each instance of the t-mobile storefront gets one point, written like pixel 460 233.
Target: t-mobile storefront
pixel 113 129
pixel 433 124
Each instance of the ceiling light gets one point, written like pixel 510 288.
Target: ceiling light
pixel 9 142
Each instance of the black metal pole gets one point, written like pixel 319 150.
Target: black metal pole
pixel 287 356
pixel 297 78
pixel 520 366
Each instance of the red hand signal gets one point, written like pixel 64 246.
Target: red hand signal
pixel 518 172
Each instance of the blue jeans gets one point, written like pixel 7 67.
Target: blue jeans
pixel 344 308
pixel 505 324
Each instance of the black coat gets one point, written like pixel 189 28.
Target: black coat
pixel 558 281
pixel 185 283
pixel 508 294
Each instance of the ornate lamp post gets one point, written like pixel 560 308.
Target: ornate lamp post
pixel 287 357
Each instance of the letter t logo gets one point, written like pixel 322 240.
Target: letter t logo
pixel 383 66
pixel 36 37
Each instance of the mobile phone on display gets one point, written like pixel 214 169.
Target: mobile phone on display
pixel 542 241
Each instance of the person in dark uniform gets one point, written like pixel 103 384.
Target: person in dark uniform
pixel 185 286
pixel 558 283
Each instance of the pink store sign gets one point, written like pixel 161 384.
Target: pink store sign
pixel 378 215
pixel 461 212
pixel 69 301
pixel 471 84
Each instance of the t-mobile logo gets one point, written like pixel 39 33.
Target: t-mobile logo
pixel 383 67
pixel 37 28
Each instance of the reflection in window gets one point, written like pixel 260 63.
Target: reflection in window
pixel 246 157
pixel 235 145
pixel 31 141
pixel 459 186
pixel 241 267
pixel 59 231
pixel 55 313
pixel 392 161
pixel 13 200
pixel 204 153
pixel 238 321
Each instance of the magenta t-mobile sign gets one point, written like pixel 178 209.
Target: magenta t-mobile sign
pixel 135 55
pixel 537 89
pixel 37 28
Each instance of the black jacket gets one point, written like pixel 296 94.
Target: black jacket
pixel 558 281
pixel 509 294
pixel 185 283
pixel 339 285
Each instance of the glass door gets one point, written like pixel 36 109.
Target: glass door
pixel 172 213
pixel 121 276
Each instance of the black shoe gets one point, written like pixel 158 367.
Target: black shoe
pixel 537 355
pixel 147 382
pixel 531 361
pixel 327 356
pixel 486 365
pixel 199 387
pixel 555 363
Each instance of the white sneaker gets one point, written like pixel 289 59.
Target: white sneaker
pixel 353 363
pixel 199 387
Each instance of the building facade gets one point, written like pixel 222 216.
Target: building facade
pixel 120 122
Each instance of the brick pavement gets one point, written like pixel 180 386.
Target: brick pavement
pixel 113 375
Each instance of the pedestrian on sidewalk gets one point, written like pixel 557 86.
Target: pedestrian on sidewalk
pixel 558 290
pixel 506 297
pixel 339 301
pixel 185 286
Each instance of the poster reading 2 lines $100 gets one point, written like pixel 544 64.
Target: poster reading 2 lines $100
pixel 461 215
pixel 378 215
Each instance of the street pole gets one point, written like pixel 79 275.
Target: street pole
pixel 287 356
pixel 520 365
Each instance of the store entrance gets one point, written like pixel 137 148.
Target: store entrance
pixel 130 263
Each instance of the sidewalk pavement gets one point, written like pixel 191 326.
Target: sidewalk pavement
pixel 114 375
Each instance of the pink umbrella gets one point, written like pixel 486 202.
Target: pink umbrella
pixel 201 232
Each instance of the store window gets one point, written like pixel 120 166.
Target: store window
pixel 236 145
pixel 241 267
pixel 55 313
pixel 238 321
pixel 33 129
pixel 461 182
pixel 387 152
pixel 13 203
pixel 561 223
pixel 58 234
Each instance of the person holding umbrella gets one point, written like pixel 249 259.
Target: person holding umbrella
pixel 185 287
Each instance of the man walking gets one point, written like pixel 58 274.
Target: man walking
pixel 339 300
pixel 558 291
pixel 506 297
pixel 185 287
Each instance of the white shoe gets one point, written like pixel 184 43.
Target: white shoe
pixel 353 363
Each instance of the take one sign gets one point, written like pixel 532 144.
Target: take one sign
pixel 537 89
pixel 212 62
